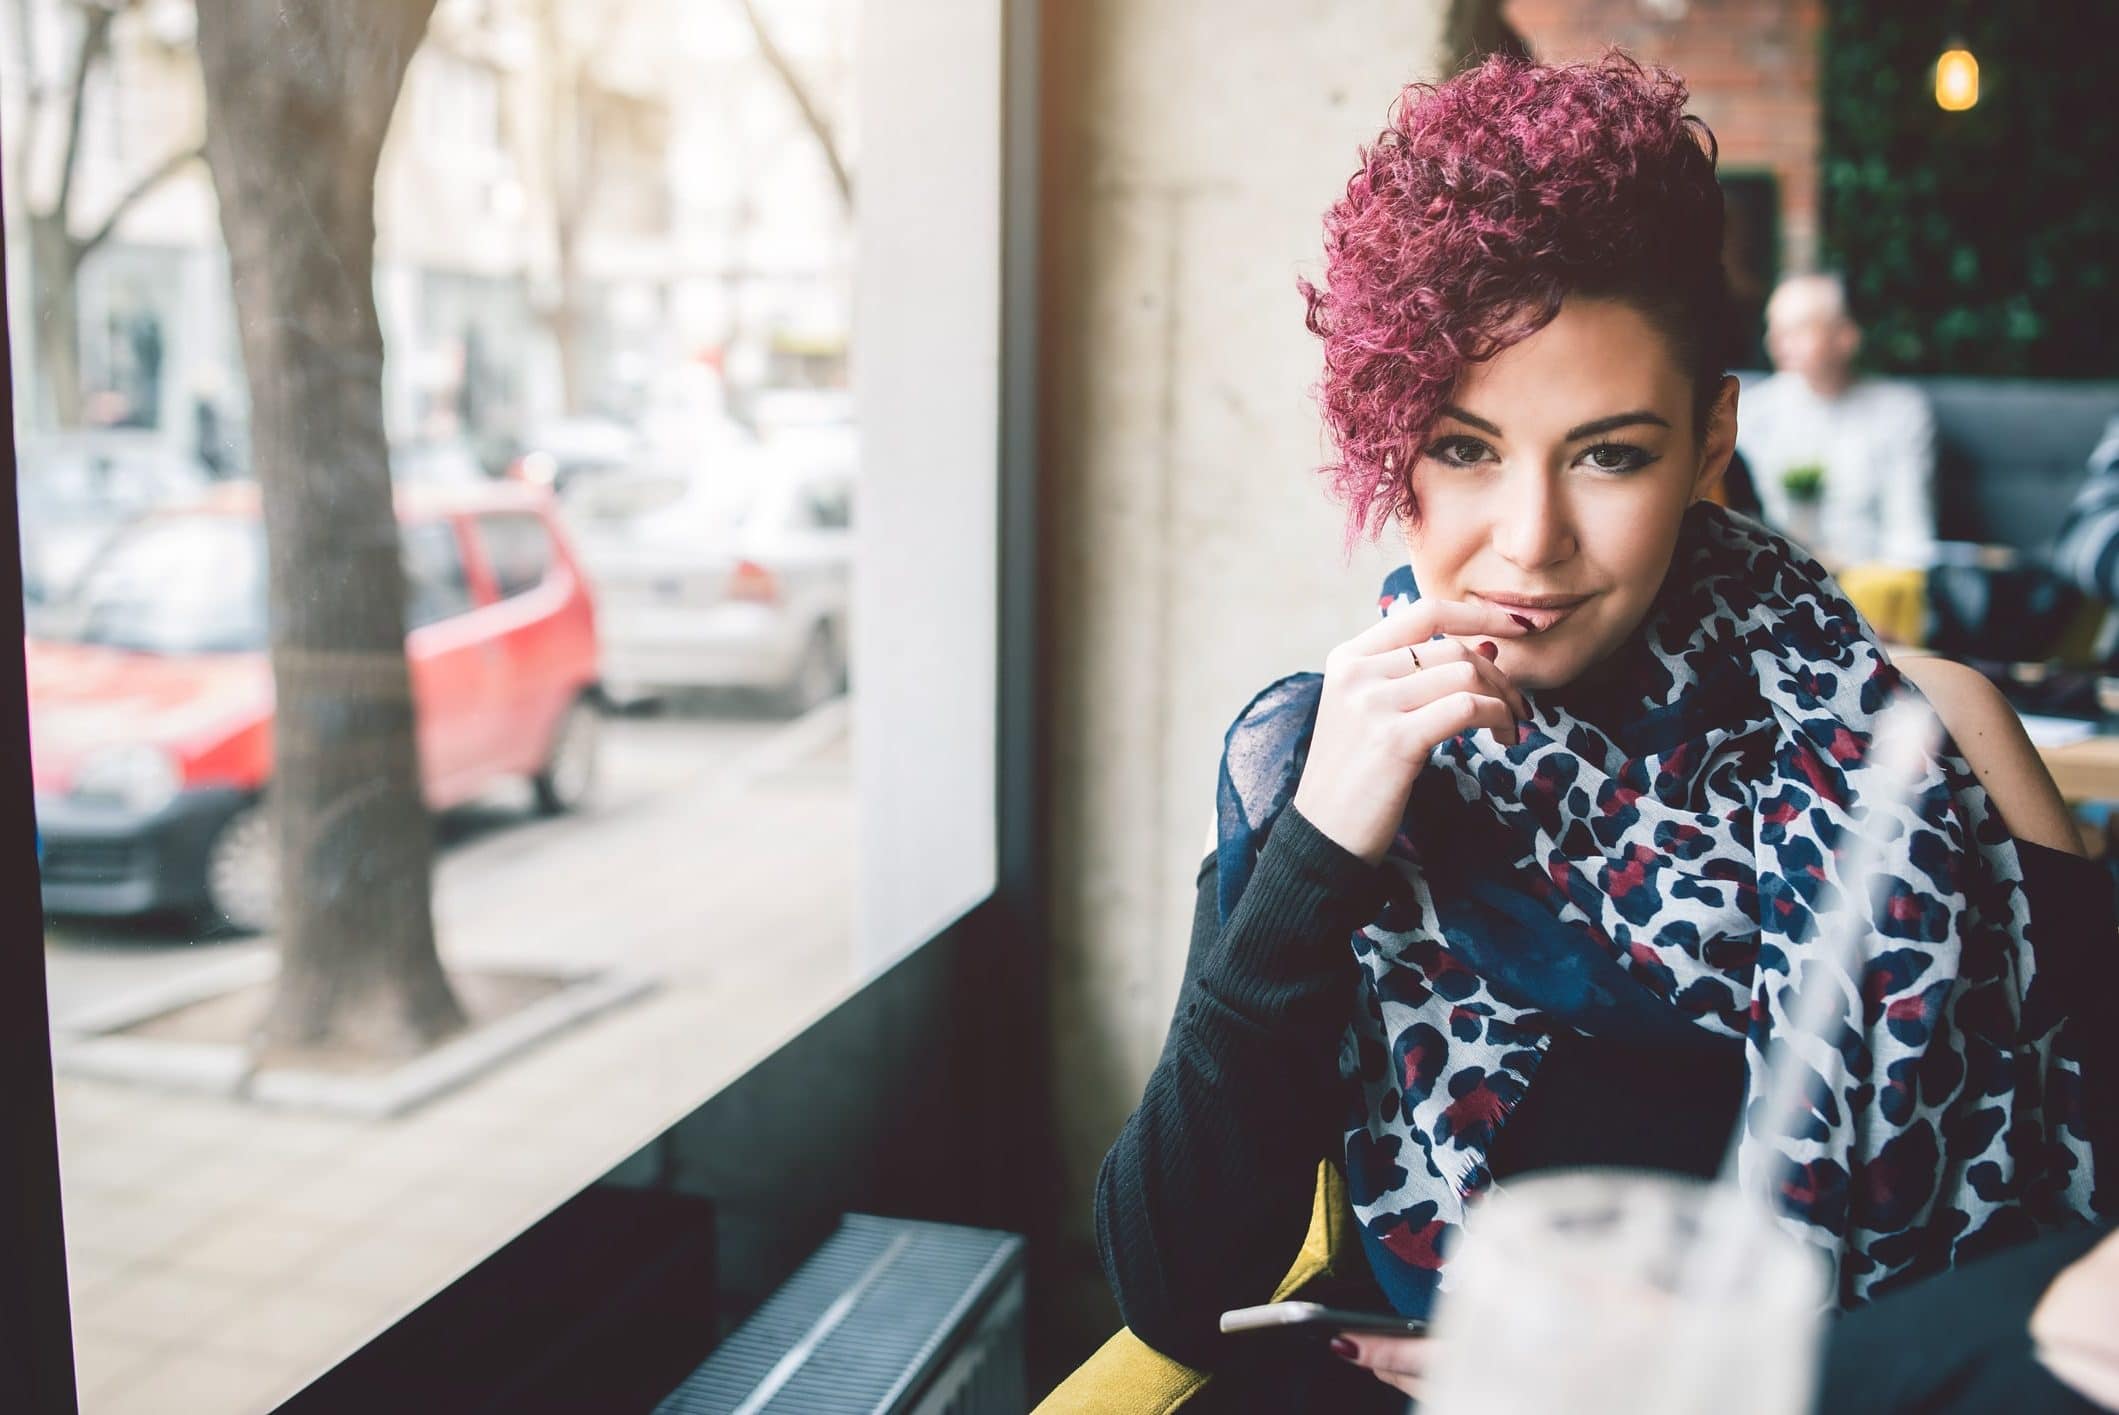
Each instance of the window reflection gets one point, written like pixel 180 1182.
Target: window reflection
pixel 171 585
pixel 575 801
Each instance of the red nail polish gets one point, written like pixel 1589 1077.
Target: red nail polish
pixel 1523 621
pixel 1489 649
pixel 1341 1346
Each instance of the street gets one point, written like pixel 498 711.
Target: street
pixel 497 849
pixel 221 1254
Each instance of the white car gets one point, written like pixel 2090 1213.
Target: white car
pixel 557 452
pixel 731 574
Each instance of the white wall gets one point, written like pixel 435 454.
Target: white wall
pixel 1193 556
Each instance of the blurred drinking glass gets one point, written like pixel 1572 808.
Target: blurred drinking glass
pixel 1606 1290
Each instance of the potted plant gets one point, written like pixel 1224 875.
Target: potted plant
pixel 1804 487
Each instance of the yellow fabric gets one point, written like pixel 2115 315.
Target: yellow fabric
pixel 1327 1237
pixel 1127 1376
pixel 1893 598
pixel 2078 642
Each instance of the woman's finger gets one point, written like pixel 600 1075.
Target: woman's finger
pixel 1439 654
pixel 1427 728
pixel 1444 702
pixel 1395 1355
pixel 1425 618
pixel 1427 653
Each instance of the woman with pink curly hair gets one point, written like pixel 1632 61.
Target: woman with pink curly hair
pixel 1521 878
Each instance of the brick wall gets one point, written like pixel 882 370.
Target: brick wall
pixel 1751 64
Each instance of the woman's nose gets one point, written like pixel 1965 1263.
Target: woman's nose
pixel 1533 528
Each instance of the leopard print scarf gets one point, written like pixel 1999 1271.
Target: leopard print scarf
pixel 1658 874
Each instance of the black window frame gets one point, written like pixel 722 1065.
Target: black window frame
pixel 916 1095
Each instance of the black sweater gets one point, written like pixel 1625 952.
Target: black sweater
pixel 1204 1200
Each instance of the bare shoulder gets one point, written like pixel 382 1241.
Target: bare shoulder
pixel 1988 732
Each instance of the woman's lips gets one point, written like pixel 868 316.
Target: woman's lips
pixel 1540 613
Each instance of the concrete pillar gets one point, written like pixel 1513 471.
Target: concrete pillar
pixel 1192 553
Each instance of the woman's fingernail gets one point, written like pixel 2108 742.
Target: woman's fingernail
pixel 1525 728
pixel 1341 1346
pixel 1489 649
pixel 1523 621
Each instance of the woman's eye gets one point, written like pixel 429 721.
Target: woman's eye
pixel 1459 451
pixel 1617 457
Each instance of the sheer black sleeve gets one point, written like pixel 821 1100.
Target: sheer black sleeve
pixel 1203 1202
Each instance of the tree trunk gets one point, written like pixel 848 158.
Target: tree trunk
pixel 57 327
pixel 298 98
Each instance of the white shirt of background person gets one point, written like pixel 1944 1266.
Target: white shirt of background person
pixel 1874 439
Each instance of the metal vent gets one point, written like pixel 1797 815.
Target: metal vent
pixel 888 1317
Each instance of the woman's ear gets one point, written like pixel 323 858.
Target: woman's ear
pixel 1718 444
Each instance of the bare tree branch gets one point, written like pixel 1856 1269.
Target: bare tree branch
pixel 584 174
pixel 25 136
pixel 168 167
pixel 798 90
pixel 95 38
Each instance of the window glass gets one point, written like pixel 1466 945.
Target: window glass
pixel 435 585
pixel 170 585
pixel 598 261
pixel 828 506
pixel 518 551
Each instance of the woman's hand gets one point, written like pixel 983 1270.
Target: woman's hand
pixel 2071 1328
pixel 1385 709
pixel 1400 1361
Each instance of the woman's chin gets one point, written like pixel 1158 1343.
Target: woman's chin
pixel 1538 667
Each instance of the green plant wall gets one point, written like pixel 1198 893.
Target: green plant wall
pixel 1987 241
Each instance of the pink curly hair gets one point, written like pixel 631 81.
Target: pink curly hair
pixel 1487 200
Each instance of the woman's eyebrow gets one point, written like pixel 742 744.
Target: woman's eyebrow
pixel 1574 434
pixel 1616 420
pixel 1453 411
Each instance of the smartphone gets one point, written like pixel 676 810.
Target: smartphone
pixel 1316 1317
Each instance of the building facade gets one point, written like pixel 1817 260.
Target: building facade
pixel 575 199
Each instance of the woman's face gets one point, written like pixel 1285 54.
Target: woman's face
pixel 1554 482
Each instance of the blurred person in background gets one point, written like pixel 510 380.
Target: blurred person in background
pixel 2086 551
pixel 1845 464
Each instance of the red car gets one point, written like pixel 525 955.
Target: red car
pixel 151 711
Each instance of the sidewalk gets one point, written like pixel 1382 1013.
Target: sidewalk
pixel 222 1256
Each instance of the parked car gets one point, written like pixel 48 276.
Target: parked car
pixel 151 699
pixel 556 453
pixel 732 575
pixel 76 489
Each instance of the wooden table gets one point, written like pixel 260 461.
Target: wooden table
pixel 2087 770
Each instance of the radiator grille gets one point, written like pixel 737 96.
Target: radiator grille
pixel 888 1317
